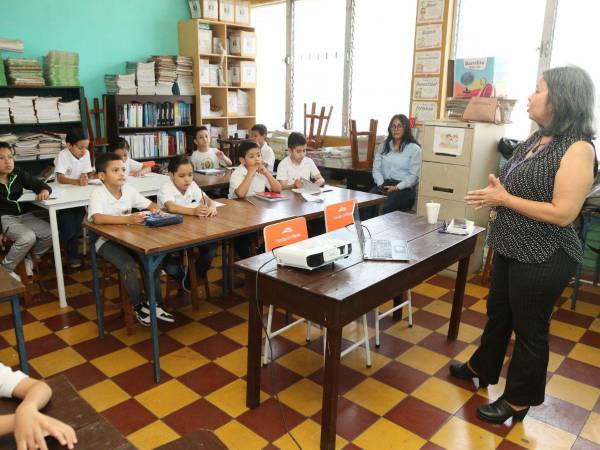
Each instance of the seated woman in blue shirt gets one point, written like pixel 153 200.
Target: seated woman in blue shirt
pixel 396 166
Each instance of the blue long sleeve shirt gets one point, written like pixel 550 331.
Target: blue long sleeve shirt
pixel 404 165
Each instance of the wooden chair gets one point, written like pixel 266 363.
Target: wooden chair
pixel 10 289
pixel 314 137
pixel 193 281
pixel 372 138
pixel 125 306
pixel 97 133
pixel 27 280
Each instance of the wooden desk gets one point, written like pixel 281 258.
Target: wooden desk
pixel 217 181
pixel 334 297
pixel 10 290
pixel 94 432
pixel 236 218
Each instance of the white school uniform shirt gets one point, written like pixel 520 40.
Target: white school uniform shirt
pixel 9 380
pixel 131 165
pixel 290 172
pixel 70 166
pixel 206 160
pixel 259 182
pixel 103 202
pixel 168 192
pixel 268 156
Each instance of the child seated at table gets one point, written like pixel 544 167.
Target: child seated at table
pixel 111 204
pixel 132 167
pixel 73 166
pixel 18 223
pixel 181 195
pixel 206 157
pixel 258 133
pixel 28 424
pixel 251 176
pixel 297 165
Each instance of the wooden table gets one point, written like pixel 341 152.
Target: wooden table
pixel 94 432
pixel 216 181
pixel 10 290
pixel 236 218
pixel 334 297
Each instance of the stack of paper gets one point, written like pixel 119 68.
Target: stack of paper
pixel 24 72
pixel 61 68
pixel 2 74
pixel 26 146
pixel 4 111
pixel 9 138
pixel 120 84
pixel 21 109
pixel 12 45
pixel 185 85
pixel 46 109
pixel 338 157
pixel 166 74
pixel 144 76
pixel 50 145
pixel 69 111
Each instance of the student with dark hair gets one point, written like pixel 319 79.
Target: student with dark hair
pixel 297 166
pixel 206 157
pixel 181 195
pixel 258 133
pixel 112 203
pixel 132 167
pixel 18 223
pixel 251 175
pixel 73 166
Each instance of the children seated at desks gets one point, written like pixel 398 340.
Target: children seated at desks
pixel 296 165
pixel 112 203
pixel 258 133
pixel 19 224
pixel 28 424
pixel 132 167
pixel 73 166
pixel 205 157
pixel 181 195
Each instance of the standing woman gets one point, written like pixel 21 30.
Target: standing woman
pixel 396 166
pixel 539 194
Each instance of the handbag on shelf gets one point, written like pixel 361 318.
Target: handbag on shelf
pixel 483 109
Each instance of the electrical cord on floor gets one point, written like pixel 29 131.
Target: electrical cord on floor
pixel 272 378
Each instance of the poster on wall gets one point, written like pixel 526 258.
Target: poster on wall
pixel 448 141
pixel 426 88
pixel 428 63
pixel 430 11
pixel 428 36
pixel 424 111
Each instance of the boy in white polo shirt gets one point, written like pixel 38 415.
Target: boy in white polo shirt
pixel 258 133
pixel 251 176
pixel 133 168
pixel 206 157
pixel 111 204
pixel 296 165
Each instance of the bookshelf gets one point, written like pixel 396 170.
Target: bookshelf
pixel 117 127
pixel 189 45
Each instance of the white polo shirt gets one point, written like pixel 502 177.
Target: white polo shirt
pixel 9 380
pixel 168 192
pixel 103 202
pixel 131 165
pixel 288 171
pixel 259 182
pixel 71 167
pixel 206 160
pixel 268 156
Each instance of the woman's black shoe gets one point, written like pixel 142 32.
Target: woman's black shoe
pixel 499 411
pixel 463 372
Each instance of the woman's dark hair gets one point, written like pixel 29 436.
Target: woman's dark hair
pixel 260 129
pixel 179 160
pixel 103 159
pixel 74 135
pixel 407 136
pixel 296 139
pixel 571 97
pixel 245 147
pixel 121 143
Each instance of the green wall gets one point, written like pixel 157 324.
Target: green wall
pixel 105 33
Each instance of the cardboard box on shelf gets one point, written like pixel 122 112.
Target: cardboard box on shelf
pixel 242 12
pixel 234 74
pixel 217 45
pixel 204 71
pixel 204 41
pixel 242 43
pixel 247 74
pixel 226 11
pixel 210 9
pixel 232 103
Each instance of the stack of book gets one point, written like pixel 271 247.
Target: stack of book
pixel 61 68
pixel 185 85
pixel 50 145
pixel 9 138
pixel 69 111
pixel 24 72
pixel 30 146
pixel 46 109
pixel 21 109
pixel 337 157
pixel 140 115
pixel 144 76
pixel 4 111
pixel 120 84
pixel 27 146
pixel 455 107
pixel 153 145
pixel 166 74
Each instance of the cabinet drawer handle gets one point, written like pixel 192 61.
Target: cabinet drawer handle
pixel 442 189
pixel 446 154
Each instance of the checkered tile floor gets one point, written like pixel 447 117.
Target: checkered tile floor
pixel 405 401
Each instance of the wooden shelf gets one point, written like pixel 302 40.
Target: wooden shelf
pixel 38 124
pixel 214 87
pixel 245 58
pixel 241 117
pixel 227 24
pixel 214 118
pixel 158 157
pixel 121 99
pixel 157 128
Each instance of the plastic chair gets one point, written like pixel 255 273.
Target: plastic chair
pixel 588 219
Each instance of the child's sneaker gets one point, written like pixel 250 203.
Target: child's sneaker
pixel 142 315
pixel 28 266
pixel 161 314
pixel 15 276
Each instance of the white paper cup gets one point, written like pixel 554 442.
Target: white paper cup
pixel 433 210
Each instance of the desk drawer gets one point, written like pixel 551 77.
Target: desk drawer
pixel 444 181
pixel 448 208
pixel 448 144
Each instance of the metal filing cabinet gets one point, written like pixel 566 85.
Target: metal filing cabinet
pixel 457 157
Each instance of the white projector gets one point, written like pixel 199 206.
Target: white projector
pixel 313 253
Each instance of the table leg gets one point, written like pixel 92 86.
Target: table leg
pixel 330 387
pixel 193 256
pixel 225 267
pixel 99 300
pixel 459 293
pixel 254 344
pixel 60 280
pixel 16 314
pixel 151 263
pixel 397 315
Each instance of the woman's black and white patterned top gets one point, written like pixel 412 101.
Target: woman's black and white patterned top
pixel 516 236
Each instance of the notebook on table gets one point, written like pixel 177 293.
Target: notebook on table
pixel 380 249
pixel 271 196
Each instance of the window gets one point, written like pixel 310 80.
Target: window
pixel 383 58
pixel 269 21
pixel 513 33
pixel 319 34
